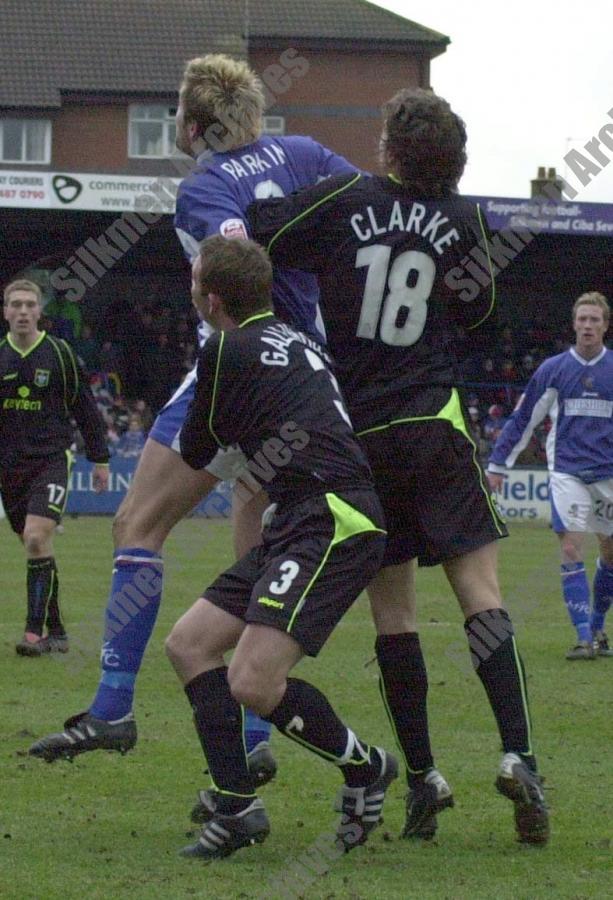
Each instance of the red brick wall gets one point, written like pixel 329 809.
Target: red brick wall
pixel 342 93
pixel 90 138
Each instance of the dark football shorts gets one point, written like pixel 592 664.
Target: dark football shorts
pixel 433 490
pixel 316 558
pixel 35 487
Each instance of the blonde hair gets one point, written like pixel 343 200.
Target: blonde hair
pixel 23 284
pixel 593 298
pixel 225 98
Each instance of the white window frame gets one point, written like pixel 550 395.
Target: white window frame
pixel 273 125
pixel 47 141
pixel 169 148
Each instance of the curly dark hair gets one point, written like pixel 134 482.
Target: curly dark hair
pixel 425 142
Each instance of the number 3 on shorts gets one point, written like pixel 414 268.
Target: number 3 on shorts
pixel 288 570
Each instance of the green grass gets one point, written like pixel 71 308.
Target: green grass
pixel 109 826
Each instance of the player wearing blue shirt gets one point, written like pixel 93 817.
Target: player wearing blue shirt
pixel 575 389
pixel 219 123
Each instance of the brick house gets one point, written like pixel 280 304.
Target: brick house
pixel 90 85
pixel 88 94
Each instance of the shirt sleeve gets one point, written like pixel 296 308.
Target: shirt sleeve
pixel 330 163
pixel 295 229
pixel 532 407
pixel 206 207
pixel 198 440
pixel 474 304
pixel 83 407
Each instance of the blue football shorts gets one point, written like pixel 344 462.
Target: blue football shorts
pixel 226 464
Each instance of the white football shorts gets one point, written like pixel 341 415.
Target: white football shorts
pixel 576 506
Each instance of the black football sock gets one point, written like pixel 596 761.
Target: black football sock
pixel 305 716
pixel 404 689
pixel 219 723
pixel 41 575
pixel 495 657
pixel 54 620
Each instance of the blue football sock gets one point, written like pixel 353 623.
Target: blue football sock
pixel 256 730
pixel 603 595
pixel 577 598
pixel 136 590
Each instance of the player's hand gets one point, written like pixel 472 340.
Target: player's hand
pixel 101 478
pixel 495 480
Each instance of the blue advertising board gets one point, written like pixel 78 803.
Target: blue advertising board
pixel 83 500
pixel 549 216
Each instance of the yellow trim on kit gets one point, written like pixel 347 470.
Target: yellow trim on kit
pixel 452 413
pixel 255 317
pixel 492 279
pixel 233 793
pixel 347 523
pixel 308 211
pixel 58 353
pixel 294 737
pixel 75 371
pixel 69 465
pixel 24 353
pixel 392 723
pixel 524 696
pixel 222 338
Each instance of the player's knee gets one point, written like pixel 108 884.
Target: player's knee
pixel 606 552
pixel 571 552
pixel 36 541
pixel 250 688
pixel 178 645
pixel 121 525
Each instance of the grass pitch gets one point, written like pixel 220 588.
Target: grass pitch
pixel 109 826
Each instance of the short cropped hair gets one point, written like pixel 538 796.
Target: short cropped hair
pixel 238 271
pixel 425 141
pixel 225 98
pixel 593 298
pixel 22 284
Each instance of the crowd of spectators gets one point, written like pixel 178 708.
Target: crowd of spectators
pixel 138 350
pixel 149 344
pixel 495 379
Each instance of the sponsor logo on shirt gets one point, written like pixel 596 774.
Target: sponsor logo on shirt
pixel 268 601
pixel 22 402
pixel 588 406
pixel 233 228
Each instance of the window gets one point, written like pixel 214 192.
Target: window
pixel 25 140
pixel 152 131
pixel 273 125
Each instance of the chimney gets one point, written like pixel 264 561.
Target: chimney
pixel 546 176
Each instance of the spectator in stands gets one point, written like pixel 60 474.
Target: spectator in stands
pixel 528 365
pixel 112 438
pixel 494 422
pixel 142 409
pixel 120 414
pixel 113 359
pixel 87 349
pixel 508 372
pixel 476 432
pixel 102 396
pixel 66 318
pixel 132 441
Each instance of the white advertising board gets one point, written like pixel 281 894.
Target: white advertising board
pixel 103 193
pixel 525 495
